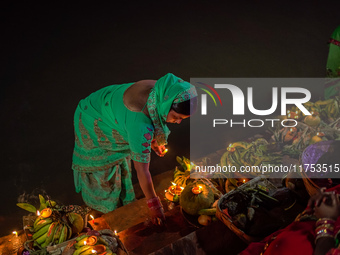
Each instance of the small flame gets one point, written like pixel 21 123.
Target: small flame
pixel 92 217
pixel 38 213
pixel 165 151
pixel 115 232
pixel 244 180
pixel 15 233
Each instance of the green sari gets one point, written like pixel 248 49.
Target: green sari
pixel 332 88
pixel 108 135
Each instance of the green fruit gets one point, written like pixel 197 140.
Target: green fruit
pixel 41 223
pixel 192 203
pixel 77 222
pixel 41 231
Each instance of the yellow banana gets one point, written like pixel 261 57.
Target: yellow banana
pixel 41 231
pixel 82 249
pixel 81 242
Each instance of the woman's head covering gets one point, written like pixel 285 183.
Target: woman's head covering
pixel 168 90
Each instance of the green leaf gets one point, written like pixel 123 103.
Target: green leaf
pixel 43 204
pixel 27 207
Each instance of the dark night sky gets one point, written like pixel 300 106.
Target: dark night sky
pixel 53 55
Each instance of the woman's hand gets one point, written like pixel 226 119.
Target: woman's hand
pixel 316 199
pixel 156 211
pixel 329 207
pixel 158 149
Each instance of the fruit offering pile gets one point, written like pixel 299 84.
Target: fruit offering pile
pixel 54 225
pixel 103 242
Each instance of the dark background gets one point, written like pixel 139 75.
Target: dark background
pixel 55 54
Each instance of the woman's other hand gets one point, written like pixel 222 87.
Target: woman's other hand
pixel 158 149
pixel 329 207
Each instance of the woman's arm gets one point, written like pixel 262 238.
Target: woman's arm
pixel 329 210
pixel 154 204
pixel 145 180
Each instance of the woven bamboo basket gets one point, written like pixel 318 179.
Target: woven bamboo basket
pixel 225 218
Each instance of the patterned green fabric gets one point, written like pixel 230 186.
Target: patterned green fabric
pixel 167 90
pixel 332 88
pixel 108 135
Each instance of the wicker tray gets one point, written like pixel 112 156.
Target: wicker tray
pixel 262 180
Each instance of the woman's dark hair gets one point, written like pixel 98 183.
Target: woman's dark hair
pixel 187 107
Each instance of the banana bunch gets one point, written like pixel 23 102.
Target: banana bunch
pixel 46 231
pixel 85 245
pixel 181 176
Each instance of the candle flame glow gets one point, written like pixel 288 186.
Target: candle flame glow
pixel 115 232
pixel 15 233
pixel 244 180
pixel 165 151
pixel 92 217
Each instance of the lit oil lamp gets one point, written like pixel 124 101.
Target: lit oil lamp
pixel 173 192
pixel 47 212
pixel 242 181
pixel 231 148
pixel 92 219
pixel 197 190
